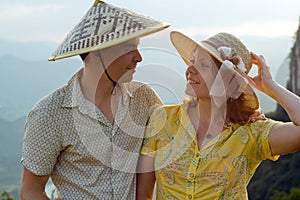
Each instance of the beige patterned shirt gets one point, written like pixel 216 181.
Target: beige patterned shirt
pixel 67 137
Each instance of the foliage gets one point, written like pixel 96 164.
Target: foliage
pixel 275 177
pixel 280 195
pixel 6 196
pixel 273 180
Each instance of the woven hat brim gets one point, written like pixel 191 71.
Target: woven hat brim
pixel 111 43
pixel 185 46
pixel 105 25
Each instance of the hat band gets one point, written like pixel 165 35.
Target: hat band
pixel 213 42
pixel 108 76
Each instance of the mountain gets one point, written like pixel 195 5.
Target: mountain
pixel 283 174
pixel 282 77
pixel 24 82
pixel 27 50
pixel 27 76
pixel 10 148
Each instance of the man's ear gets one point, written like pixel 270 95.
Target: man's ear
pixel 93 56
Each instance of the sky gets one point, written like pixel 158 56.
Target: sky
pixel 266 26
pixel 40 20
pixel 50 21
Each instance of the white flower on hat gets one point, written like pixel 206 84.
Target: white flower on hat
pixel 225 50
pixel 228 54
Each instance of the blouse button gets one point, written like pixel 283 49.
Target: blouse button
pixel 190 196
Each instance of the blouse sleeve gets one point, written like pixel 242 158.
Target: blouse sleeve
pixel 261 129
pixel 152 132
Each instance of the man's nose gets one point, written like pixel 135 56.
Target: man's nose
pixel 137 56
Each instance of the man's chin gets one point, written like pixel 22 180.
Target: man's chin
pixel 125 79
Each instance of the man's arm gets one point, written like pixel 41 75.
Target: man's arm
pixel 33 186
pixel 145 178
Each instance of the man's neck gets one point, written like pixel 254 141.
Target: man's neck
pixel 98 90
pixel 95 88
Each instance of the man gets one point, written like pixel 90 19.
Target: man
pixel 86 136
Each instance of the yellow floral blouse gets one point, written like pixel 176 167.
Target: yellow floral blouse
pixel 220 170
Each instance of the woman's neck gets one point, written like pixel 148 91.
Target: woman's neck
pixel 207 119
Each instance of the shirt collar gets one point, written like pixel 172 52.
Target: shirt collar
pixel 73 93
pixel 74 96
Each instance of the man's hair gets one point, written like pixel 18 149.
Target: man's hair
pixel 83 56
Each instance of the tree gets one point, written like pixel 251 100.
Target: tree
pixel 6 196
pixel 280 195
pixel 294 194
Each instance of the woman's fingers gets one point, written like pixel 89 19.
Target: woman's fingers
pixel 257 115
pixel 259 60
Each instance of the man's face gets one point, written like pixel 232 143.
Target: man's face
pixel 121 60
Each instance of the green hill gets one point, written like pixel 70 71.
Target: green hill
pixel 10 148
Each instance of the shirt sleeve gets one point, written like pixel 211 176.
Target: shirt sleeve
pixel 41 143
pixel 153 99
pixel 152 132
pixel 262 130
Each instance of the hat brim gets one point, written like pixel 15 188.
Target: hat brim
pixel 139 34
pixel 185 46
pixel 105 25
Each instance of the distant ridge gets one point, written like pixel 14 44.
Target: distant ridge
pixel 28 76
pixel 24 82
pixel 27 50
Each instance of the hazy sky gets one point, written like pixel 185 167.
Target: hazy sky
pixel 28 20
pixel 267 25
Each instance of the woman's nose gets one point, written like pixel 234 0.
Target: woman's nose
pixel 191 69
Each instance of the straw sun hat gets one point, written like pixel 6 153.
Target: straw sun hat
pixel 186 47
pixel 105 25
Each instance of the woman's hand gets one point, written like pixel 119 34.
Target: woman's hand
pixel 283 137
pixel 257 115
pixel 263 81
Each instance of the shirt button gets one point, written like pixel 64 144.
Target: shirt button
pixel 191 175
pixel 190 196
pixel 197 155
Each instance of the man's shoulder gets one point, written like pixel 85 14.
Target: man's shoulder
pixel 53 100
pixel 56 98
pixel 134 85
pixel 138 89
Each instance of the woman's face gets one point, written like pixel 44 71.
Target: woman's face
pixel 200 75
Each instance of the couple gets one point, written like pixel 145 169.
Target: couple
pixel 88 135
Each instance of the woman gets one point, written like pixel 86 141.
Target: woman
pixel 206 147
